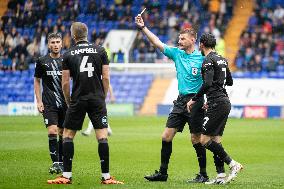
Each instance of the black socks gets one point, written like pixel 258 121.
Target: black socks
pixel 201 156
pixel 166 152
pixel 218 150
pixel 53 147
pixel 68 153
pixel 60 149
pixel 103 150
pixel 219 164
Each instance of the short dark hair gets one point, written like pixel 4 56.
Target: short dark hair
pixel 54 35
pixel 208 40
pixel 190 31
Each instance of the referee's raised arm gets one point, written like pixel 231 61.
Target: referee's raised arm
pixel 151 37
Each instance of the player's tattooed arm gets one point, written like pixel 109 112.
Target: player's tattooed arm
pixel 66 85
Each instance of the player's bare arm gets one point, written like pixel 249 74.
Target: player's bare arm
pixel 105 78
pixel 151 37
pixel 40 106
pixel 66 85
pixel 112 97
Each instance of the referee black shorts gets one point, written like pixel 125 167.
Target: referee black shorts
pixel 96 109
pixel 179 116
pixel 54 116
pixel 216 117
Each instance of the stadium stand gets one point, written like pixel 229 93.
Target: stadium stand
pixel 261 49
pixel 26 23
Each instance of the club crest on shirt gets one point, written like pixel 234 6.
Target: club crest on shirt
pixel 194 71
pixel 104 120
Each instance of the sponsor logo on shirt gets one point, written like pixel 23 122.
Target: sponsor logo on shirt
pixel 53 72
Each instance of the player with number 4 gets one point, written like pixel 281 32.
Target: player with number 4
pixel 88 65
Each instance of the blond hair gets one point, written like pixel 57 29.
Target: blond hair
pixel 79 31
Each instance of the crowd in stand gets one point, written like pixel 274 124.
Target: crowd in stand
pixel 26 23
pixel 210 16
pixel 262 44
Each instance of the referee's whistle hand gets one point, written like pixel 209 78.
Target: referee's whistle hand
pixel 139 21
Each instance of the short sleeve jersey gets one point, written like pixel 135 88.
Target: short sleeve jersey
pixel 50 71
pixel 188 68
pixel 85 62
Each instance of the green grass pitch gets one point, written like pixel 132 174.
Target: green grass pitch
pixel 135 151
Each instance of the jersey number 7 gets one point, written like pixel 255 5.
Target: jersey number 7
pixel 87 67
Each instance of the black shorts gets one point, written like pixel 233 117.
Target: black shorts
pixel 54 116
pixel 77 110
pixel 179 116
pixel 216 117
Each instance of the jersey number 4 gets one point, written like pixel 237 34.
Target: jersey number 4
pixel 87 67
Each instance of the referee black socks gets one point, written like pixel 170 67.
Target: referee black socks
pixel 103 150
pixel 53 147
pixel 68 153
pixel 201 156
pixel 166 152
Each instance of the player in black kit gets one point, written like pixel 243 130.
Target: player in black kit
pixel 216 75
pixel 51 103
pixel 88 65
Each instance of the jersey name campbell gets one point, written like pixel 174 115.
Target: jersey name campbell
pixel 85 61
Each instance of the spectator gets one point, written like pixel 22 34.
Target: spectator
pixel 271 66
pixel 221 47
pixel 118 57
pixel 6 63
pixel 22 63
pixel 67 41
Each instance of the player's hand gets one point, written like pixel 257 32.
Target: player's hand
pixel 139 21
pixel 189 105
pixel 205 106
pixel 112 99
pixel 40 107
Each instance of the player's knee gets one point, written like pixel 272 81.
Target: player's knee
pixel 205 143
pixel 103 140
pixel 60 132
pixel 167 136
pixel 52 130
pixel 217 139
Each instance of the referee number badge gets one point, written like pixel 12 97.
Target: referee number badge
pixel 194 71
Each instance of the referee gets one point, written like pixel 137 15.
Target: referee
pixel 188 62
